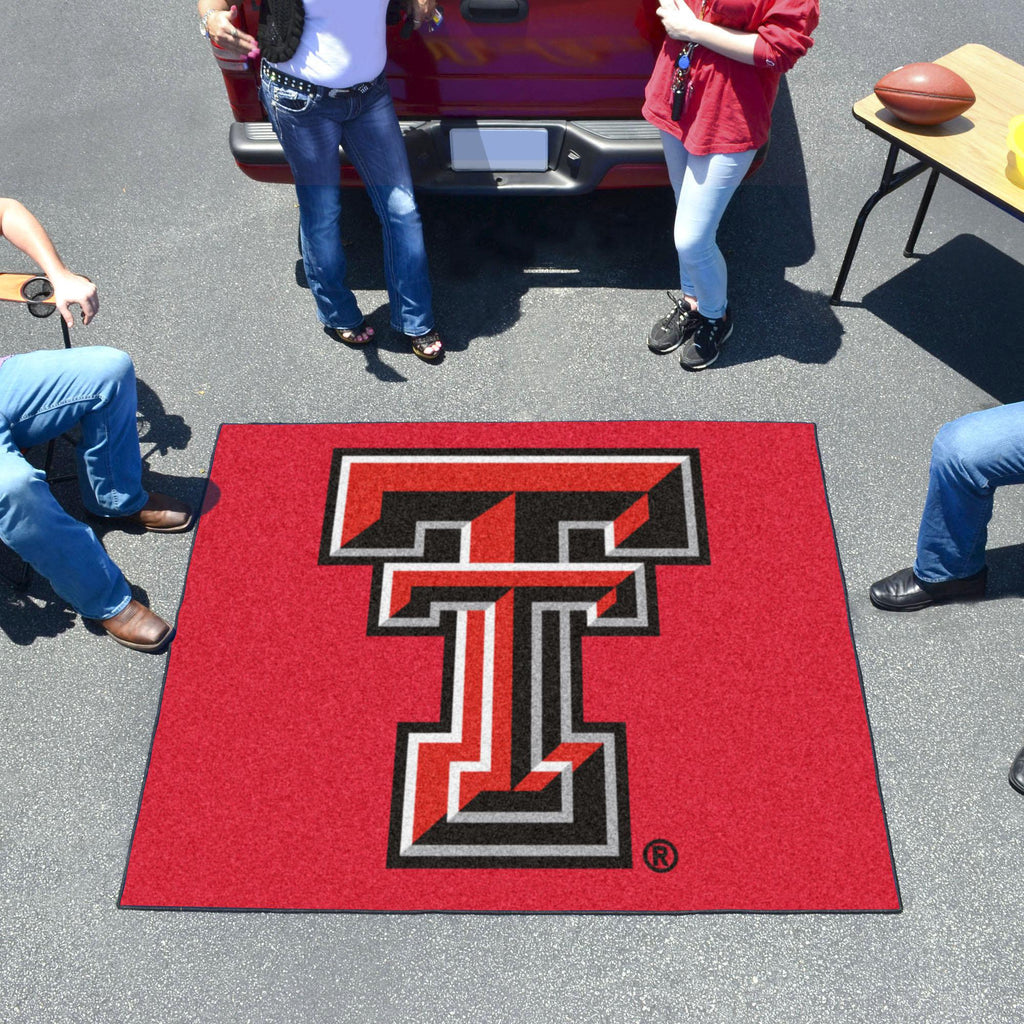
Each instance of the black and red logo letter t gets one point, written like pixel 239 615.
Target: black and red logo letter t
pixel 513 558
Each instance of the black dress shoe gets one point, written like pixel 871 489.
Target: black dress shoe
pixel 1017 771
pixel 904 592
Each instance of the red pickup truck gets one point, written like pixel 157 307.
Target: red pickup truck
pixel 519 96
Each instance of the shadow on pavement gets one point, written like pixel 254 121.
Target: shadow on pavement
pixel 766 230
pixel 158 427
pixel 963 303
pixel 26 616
pixel 1005 569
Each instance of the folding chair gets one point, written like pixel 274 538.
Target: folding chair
pixel 36 294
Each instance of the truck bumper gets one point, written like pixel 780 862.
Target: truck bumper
pixel 581 156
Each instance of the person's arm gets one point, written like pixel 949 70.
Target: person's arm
pixel 22 230
pixel 221 23
pixel 681 23
pixel 780 40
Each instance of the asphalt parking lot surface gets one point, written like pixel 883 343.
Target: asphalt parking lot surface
pixel 113 130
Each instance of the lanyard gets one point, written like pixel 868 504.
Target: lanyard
pixel 682 70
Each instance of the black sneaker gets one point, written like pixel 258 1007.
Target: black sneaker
pixel 705 344
pixel 672 330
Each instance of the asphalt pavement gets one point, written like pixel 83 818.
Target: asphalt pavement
pixel 113 130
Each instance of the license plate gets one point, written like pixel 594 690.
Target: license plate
pixel 499 149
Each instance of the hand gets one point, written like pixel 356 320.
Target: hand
pixel 420 11
pixel 74 290
pixel 679 21
pixel 223 29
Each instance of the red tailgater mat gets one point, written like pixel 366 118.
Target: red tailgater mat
pixel 543 667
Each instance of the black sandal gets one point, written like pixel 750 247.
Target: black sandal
pixel 350 335
pixel 420 344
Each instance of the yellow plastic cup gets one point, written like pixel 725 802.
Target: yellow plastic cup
pixel 1015 158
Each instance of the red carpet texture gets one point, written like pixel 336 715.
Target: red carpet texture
pixel 544 667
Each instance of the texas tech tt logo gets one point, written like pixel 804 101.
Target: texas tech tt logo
pixel 513 558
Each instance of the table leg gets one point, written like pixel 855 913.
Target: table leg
pixel 891 180
pixel 929 191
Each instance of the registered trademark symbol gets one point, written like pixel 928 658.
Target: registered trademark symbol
pixel 660 855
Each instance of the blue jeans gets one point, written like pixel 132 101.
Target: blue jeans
pixel 42 395
pixel 311 128
pixel 703 186
pixel 971 457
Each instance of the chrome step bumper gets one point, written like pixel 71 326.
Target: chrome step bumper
pixel 580 154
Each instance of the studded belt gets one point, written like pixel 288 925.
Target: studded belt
pixel 271 74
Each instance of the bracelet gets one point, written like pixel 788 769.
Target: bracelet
pixel 205 18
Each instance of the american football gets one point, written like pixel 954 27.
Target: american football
pixel 924 93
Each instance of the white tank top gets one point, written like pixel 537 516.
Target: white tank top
pixel 342 43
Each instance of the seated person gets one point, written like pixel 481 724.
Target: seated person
pixel 43 395
pixel 971 457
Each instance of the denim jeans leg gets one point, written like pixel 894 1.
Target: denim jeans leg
pixel 43 394
pixel 310 131
pixel 971 457
pixel 323 257
pixel 703 186
pixel 675 160
pixel 32 523
pixel 60 548
pixel 373 142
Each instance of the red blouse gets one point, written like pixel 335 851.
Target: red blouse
pixel 728 103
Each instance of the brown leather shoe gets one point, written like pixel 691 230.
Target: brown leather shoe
pixel 137 627
pixel 162 514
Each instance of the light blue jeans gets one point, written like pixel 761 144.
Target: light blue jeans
pixel 311 128
pixel 42 395
pixel 703 186
pixel 971 457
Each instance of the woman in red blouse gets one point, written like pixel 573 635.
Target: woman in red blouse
pixel 711 95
